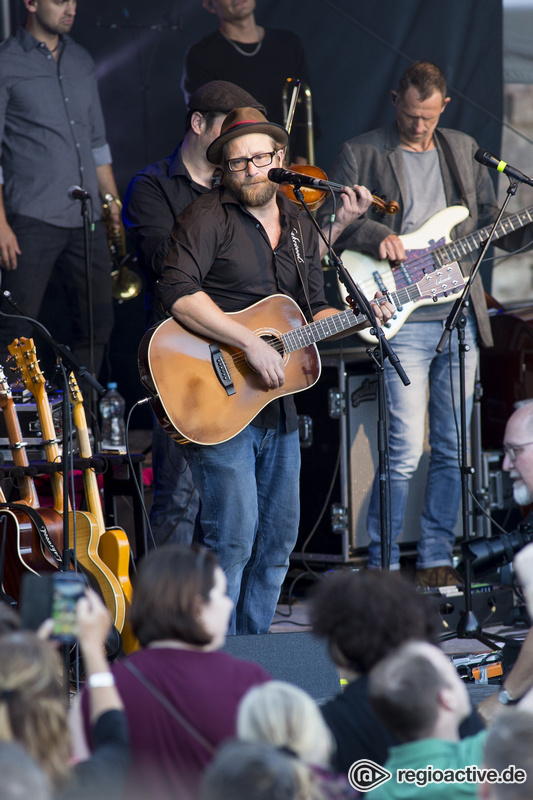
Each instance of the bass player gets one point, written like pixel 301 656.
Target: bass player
pixel 427 169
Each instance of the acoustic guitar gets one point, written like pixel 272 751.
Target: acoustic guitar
pixel 113 543
pixel 82 524
pixel 206 392
pixel 26 533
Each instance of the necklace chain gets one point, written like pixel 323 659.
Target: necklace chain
pixel 253 52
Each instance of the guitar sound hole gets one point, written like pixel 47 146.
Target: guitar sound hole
pixel 274 342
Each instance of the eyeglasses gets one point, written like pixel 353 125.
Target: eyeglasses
pixel 514 450
pixel 260 160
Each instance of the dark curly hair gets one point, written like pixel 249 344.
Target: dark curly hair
pixel 366 615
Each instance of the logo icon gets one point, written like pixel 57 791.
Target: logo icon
pixel 365 775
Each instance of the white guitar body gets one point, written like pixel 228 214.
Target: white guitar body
pixel 372 275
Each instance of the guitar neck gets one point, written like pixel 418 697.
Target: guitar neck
pixel 50 444
pixel 28 493
pixel 301 337
pixel 467 244
pixel 90 483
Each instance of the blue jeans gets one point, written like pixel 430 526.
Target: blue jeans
pixel 176 501
pixel 250 509
pixel 415 345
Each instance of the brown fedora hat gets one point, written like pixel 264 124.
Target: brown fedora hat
pixel 240 122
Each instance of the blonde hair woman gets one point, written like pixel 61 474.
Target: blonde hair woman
pixel 286 717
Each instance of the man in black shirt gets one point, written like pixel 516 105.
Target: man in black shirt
pixel 153 200
pixel 257 58
pixel 232 248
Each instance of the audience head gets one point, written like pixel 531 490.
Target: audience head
pixel 9 619
pixel 518 447
pixel 418 693
pixel 366 615
pixel 285 716
pixel 509 742
pixel 250 771
pixel 21 777
pixel 32 702
pixel 180 594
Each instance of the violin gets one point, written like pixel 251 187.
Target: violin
pixel 315 197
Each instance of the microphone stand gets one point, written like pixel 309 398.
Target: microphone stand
pixel 468 626
pixel 382 350
pixel 86 213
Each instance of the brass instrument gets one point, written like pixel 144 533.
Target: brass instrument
pixel 298 85
pixel 125 284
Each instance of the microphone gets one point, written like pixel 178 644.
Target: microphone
pixel 279 175
pixel 77 193
pixel 488 160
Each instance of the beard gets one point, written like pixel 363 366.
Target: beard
pixel 251 194
pixel 521 494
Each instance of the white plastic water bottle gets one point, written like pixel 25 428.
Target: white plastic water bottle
pixel 113 431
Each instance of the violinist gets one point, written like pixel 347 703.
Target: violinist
pixel 433 168
pixel 233 247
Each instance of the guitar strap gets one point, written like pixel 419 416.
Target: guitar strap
pixel 298 253
pixel 172 710
pixel 40 527
pixel 452 164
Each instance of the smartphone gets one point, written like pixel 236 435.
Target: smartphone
pixel 67 588
pixel 52 594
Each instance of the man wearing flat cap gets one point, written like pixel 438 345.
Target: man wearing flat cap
pixel 154 198
pixel 233 247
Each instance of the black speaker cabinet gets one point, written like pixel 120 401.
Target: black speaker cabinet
pixel 299 658
pixel 339 459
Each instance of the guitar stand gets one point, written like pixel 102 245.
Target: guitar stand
pixel 64 359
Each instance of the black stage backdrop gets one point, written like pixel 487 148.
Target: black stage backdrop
pixel 355 50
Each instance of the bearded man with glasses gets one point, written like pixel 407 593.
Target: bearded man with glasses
pixel 518 452
pixel 233 247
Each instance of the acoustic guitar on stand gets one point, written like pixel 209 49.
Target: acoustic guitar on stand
pixel 427 249
pixel 26 533
pixel 113 543
pixel 206 392
pixel 82 524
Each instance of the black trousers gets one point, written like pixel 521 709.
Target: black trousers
pixel 50 253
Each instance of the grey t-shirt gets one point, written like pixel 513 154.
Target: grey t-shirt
pixel 426 196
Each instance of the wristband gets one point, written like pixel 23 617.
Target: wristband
pixel 100 680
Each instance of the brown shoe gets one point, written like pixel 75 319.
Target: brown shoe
pixel 439 576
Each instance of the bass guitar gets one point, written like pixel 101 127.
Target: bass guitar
pixel 82 524
pixel 206 392
pixel 26 531
pixel 428 248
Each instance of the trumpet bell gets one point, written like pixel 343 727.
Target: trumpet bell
pixel 125 284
